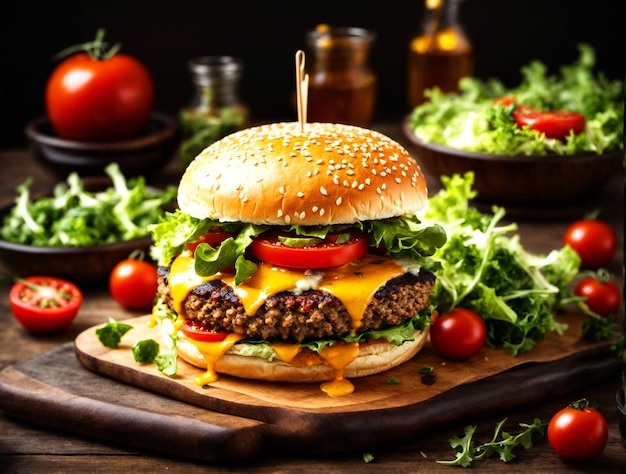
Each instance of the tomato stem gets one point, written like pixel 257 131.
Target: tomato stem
pixel 97 49
pixel 579 404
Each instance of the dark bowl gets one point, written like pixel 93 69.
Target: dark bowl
pixel 144 155
pixel 520 180
pixel 81 265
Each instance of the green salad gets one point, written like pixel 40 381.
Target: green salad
pixel 76 217
pixel 486 269
pixel 477 119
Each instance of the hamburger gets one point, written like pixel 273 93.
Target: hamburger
pixel 295 255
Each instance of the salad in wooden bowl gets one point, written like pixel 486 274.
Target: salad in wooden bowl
pixel 551 139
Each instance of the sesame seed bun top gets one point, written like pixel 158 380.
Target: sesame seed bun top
pixel 277 174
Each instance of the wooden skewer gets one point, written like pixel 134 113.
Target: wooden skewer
pixel 302 88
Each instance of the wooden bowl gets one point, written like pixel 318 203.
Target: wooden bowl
pixel 90 265
pixel 519 180
pixel 144 155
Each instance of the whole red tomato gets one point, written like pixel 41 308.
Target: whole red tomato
pixel 578 432
pixel 133 284
pixel 602 294
pixel 99 96
pixel 458 334
pixel 593 240
pixel 44 304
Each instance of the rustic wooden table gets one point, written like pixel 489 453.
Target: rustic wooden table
pixel 28 447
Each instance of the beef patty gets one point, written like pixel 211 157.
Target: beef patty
pixel 311 314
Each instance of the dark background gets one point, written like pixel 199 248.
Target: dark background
pixel 506 34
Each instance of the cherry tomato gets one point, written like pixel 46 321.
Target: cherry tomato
pixel 133 284
pixel 45 304
pixel 327 254
pixel 602 294
pixel 213 238
pixel 554 124
pixel 578 432
pixel 593 240
pixel 458 334
pixel 91 97
pixel 199 332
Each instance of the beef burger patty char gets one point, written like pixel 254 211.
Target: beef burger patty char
pixel 311 314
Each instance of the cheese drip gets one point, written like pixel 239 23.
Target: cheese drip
pixel 354 285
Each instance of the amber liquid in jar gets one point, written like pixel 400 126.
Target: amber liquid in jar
pixel 441 55
pixel 348 103
pixel 342 88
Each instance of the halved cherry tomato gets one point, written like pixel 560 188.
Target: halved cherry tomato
pixel 199 332
pixel 133 284
pixel 554 124
pixel 327 254
pixel 578 432
pixel 45 304
pixel 602 294
pixel 458 334
pixel 213 238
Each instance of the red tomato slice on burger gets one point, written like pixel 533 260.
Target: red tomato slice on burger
pixel 554 124
pixel 44 304
pixel 199 332
pixel 326 254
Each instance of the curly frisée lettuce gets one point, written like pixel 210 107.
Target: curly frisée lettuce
pixel 403 237
pixel 485 268
pixel 470 120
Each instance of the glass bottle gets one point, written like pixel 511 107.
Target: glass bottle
pixel 441 54
pixel 215 109
pixel 342 87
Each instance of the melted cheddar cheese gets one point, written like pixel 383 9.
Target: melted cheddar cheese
pixel 354 285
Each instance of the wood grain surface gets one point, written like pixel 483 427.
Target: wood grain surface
pixel 118 399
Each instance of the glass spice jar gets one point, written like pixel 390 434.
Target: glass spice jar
pixel 342 87
pixel 441 54
pixel 215 109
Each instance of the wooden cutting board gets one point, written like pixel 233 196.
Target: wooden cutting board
pixel 103 393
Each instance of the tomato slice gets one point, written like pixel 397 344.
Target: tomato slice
pixel 326 254
pixel 199 332
pixel 213 238
pixel 44 304
pixel 554 124
pixel 505 100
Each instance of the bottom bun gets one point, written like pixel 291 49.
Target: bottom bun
pixel 374 357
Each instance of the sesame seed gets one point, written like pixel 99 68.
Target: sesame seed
pixel 322 212
pixel 281 190
pixel 339 201
pixel 279 213
pixel 300 194
pixel 323 191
